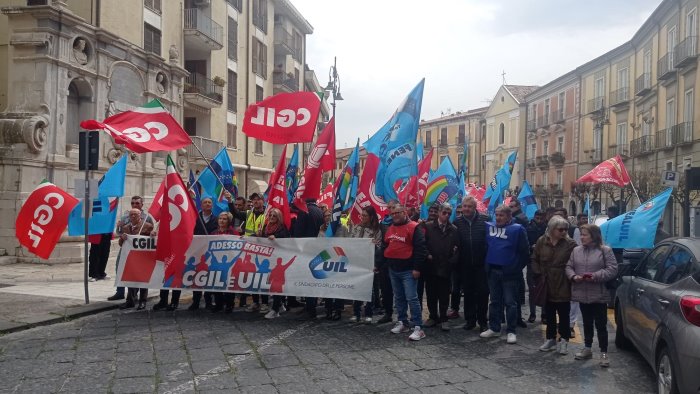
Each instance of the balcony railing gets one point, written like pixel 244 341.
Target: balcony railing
pixel 531 163
pixel 557 158
pixel 595 104
pixel 543 120
pixel 664 139
pixel 665 66
pixel 208 147
pixel 622 150
pixel 284 39
pixel 196 20
pixel 642 145
pixel 461 140
pixel 557 116
pixel 683 133
pixel 290 83
pixel 532 125
pixel 642 85
pixel 620 96
pixel 686 51
pixel 543 161
pixel 199 84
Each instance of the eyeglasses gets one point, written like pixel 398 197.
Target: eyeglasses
pixel 397 212
pixel 136 203
pixel 445 213
pixel 561 229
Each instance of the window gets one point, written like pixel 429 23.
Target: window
pixel 231 140
pixel 647 65
pixel 37 2
pixel 232 88
pixel 259 58
pixel 670 45
pixel 428 138
pixel 232 39
pixel 560 179
pixel 151 39
pixel 153 5
pixel 675 267
pixel 690 24
pixel 461 137
pixel 561 105
pixel 623 80
pixel 597 142
pixel 483 162
pixel 599 87
pixel 688 115
pixel 259 93
pixel 260 15
pixel 648 268
pixel 532 178
pixel 501 134
pixel 237 4
pixel 545 148
pixel 560 144
pixel 670 113
pixel 190 126
pixel 442 157
pixel 533 150
pixel 546 111
pixel 646 127
pixel 460 159
pixel 443 136
pixel 298 45
pixel 621 133
pixel 545 179
pixel 258 147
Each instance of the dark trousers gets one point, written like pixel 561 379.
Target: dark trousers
pixel 437 291
pixel 597 314
pixel 164 297
pixel 420 288
pixel 357 308
pixel 99 254
pixel 531 283
pixel 387 291
pixel 224 300
pixel 521 295
pixel 562 309
pixel 333 305
pixel 476 295
pixel 197 296
pixel 310 306
pixel 276 302
pixel 257 297
pixel 136 294
pixel 456 292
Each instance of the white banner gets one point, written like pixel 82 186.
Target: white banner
pixel 303 267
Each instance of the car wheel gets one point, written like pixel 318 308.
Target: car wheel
pixel 665 373
pixel 621 341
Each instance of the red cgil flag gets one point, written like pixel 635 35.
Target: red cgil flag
pixel 43 217
pixel 147 129
pixel 154 210
pixel 611 171
pixel 327 196
pixel 366 191
pixel 178 216
pixel 283 118
pixel 321 158
pixel 278 190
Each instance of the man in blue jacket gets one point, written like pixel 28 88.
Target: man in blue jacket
pixel 506 256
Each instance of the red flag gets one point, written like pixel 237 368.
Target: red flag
pixel 43 217
pixel 154 210
pixel 366 194
pixel 414 193
pixel 327 196
pixel 283 118
pixel 478 194
pixel 610 171
pixel 178 217
pixel 278 190
pixel 318 162
pixel 147 129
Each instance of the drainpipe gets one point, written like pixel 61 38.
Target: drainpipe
pixel 249 55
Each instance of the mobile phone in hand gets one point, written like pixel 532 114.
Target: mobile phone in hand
pixel 588 276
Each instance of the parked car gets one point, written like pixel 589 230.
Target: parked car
pixel 657 309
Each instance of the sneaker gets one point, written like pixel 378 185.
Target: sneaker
pixel 452 314
pixel 430 323
pixel 490 334
pixel 511 339
pixel 92 279
pixel 470 325
pixel 368 320
pixel 445 326
pixel 417 334
pixel 584 354
pixel 106 277
pixel 548 345
pixel 563 347
pixel 604 361
pixel 253 307
pixel 282 309
pixel 531 319
pixel 354 319
pixel 384 319
pixel 399 328
pixel 272 314
pixel 264 308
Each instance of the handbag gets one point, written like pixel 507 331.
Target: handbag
pixel 539 292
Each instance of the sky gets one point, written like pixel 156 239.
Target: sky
pixel 461 48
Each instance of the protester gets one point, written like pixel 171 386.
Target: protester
pixel 274 229
pixel 368 228
pixel 224 301
pixel 581 219
pixel 206 224
pixel 535 230
pixel 591 265
pixel 240 206
pixel 441 239
pixel 471 228
pixel 387 294
pixel 518 215
pixel 334 306
pixel 432 216
pixel 307 225
pixel 549 258
pixel 520 218
pixel 135 226
pixel 506 256
pixel 100 244
pixel 403 252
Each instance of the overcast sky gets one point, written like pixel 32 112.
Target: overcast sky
pixel 461 47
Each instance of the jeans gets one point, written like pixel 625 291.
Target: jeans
pixel 573 314
pixel 504 293
pixel 405 291
pixel 438 293
pixel 562 309
pixel 597 314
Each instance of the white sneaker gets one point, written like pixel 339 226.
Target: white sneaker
pixel 548 345
pixel 417 334
pixel 282 309
pixel 490 334
pixel 354 319
pixel 91 279
pixel 399 328
pixel 563 347
pixel 272 314
pixel 511 339
pixel 368 320
pixel 253 308
pixel 264 308
pixel 106 277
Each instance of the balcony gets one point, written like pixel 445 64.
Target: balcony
pixel 595 104
pixel 284 82
pixel 543 120
pixel 686 51
pixel 284 43
pixel 201 91
pixel 201 32
pixel 460 140
pixel 556 190
pixel 664 139
pixel 620 96
pixel 642 85
pixel 208 147
pixel 530 163
pixel 665 67
pixel 642 145
pixel 557 158
pixel 557 116
pixel 531 125
pixel 683 133
pixel 543 162
pixel 442 143
pixel 622 150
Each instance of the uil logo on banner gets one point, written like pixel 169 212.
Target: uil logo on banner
pixel 325 264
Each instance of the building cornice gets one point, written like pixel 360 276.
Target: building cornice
pixel 287 8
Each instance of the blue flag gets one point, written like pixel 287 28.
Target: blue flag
pixel 636 229
pixel 211 186
pixel 587 207
pixel 527 201
pixel 195 192
pixel 395 144
pixel 291 179
pixel 348 180
pixel 500 183
pixel 335 216
pixel 443 186
pixel 419 148
pixel 104 207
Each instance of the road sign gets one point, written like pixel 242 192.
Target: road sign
pixel 670 178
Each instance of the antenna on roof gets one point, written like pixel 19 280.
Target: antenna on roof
pixel 504 76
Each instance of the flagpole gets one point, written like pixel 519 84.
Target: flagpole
pixel 208 165
pixel 635 192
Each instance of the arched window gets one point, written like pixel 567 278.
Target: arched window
pixel 78 108
pixel 501 134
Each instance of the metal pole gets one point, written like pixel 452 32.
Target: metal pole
pixel 86 207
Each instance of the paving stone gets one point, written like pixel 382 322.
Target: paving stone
pixel 384 383
pixel 134 385
pixel 341 386
pixel 135 370
pixel 210 367
pixel 262 389
pixel 458 375
pixel 86 384
pixel 288 375
pixel 298 388
pixel 176 387
pixel 48 385
pixel 175 372
pixel 253 377
pixel 420 378
pixel 223 381
pixel 279 360
pixel 312 357
pixel 208 353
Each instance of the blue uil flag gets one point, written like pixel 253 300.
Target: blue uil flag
pixel 636 229
pixel 395 144
pixel 527 201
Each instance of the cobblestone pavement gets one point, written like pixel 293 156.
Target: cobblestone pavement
pixel 166 352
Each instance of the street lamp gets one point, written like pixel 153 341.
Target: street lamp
pixel 334 84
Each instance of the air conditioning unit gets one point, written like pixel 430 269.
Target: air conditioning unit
pixel 202 3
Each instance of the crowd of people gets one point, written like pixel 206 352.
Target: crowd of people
pixel 483 265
